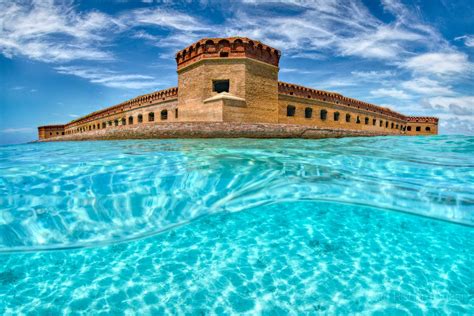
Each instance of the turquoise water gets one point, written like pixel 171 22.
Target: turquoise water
pixel 238 226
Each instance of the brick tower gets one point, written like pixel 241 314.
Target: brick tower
pixel 228 80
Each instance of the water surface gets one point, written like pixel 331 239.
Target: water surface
pixel 257 226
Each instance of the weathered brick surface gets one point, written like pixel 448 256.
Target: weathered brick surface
pixel 213 130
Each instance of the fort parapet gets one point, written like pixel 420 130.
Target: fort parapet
pixel 231 84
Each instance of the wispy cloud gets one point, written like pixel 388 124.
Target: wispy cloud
pixel 467 39
pixel 52 32
pixel 440 63
pixel 424 85
pixel 392 93
pixel 110 78
pixel 17 130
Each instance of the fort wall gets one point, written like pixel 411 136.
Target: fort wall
pixel 235 80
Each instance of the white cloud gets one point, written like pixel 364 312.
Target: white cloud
pixel 424 85
pixel 110 78
pixel 461 105
pixel 164 18
pixel 453 63
pixel 17 130
pixel 468 40
pixel 373 75
pixel 52 32
pixel 391 92
pixel 450 124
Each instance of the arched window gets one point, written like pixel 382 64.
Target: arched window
pixel 381 123
pixel 336 116
pixel 324 114
pixel 427 128
pixel 110 123
pixel 116 122
pixel 386 124
pixel 124 121
pixel 176 113
pixel 366 121
pixel 358 120
pixel 374 122
pixel 391 125
pixel 140 118
pixel 290 110
pixel 130 120
pixel 348 118
pixel 308 112
pixel 151 117
pixel 98 125
pixel 409 128
pixel 396 126
pixel 418 128
pixel 104 125
pixel 164 115
pixel 90 127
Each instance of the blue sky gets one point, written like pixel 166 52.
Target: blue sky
pixel 62 60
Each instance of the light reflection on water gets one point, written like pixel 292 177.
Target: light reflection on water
pixel 77 194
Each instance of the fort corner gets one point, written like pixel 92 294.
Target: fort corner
pixel 228 87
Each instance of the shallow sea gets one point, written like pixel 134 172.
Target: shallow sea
pixel 381 225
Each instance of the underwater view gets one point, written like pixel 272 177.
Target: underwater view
pixel 381 225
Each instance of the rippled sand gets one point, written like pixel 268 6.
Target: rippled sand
pixel 307 257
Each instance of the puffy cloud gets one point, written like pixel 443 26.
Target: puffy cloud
pixel 457 105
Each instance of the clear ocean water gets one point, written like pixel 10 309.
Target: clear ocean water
pixel 380 225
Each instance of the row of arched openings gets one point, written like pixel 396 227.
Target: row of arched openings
pixel 323 115
pixel 124 121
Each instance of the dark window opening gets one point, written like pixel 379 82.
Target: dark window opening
pixel 223 54
pixel 220 86
pixel 110 123
pixel 409 128
pixel 418 128
pixel 386 124
pixel 396 126
pixel 374 122
pixel 104 125
pixel 324 114
pixel 358 120
pixel 90 127
pixel 427 128
pixel 164 115
pixel 124 121
pixel 336 116
pixel 116 122
pixel 130 120
pixel 348 118
pixel 140 118
pixel 391 125
pixel 151 117
pixel 381 123
pixel 62 133
pixel 308 112
pixel 176 113
pixel 290 110
pixel 50 133
pixel 366 121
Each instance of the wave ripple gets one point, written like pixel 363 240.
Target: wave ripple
pixel 78 194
